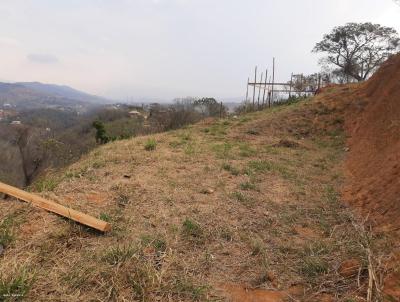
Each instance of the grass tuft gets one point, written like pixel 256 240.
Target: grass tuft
pixel 6 233
pixel 228 167
pixel 119 254
pixel 16 287
pixel 150 144
pixel 192 229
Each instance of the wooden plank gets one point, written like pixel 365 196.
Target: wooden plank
pixel 54 207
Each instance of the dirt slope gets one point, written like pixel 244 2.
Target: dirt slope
pixel 371 114
pixel 373 162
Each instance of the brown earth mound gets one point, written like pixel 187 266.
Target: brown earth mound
pixel 371 116
pixel 373 163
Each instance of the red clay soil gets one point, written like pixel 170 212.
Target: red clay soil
pixel 371 114
pixel 373 162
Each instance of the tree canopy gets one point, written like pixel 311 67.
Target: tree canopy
pixel 357 49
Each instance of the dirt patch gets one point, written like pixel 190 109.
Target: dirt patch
pixel 287 144
pixel 241 294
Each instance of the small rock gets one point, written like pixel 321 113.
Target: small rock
pixel 207 191
pixel 346 149
pixel 349 268
pixel 127 176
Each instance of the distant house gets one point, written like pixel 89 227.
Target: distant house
pixel 15 123
pixel 6 105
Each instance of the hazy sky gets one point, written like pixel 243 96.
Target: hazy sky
pixel 169 48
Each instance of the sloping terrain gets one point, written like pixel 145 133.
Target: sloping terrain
pixel 240 209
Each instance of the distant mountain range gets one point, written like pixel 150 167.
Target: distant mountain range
pixel 27 95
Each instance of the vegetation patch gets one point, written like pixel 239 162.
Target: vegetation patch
pixel 16 286
pixel 6 231
pixel 248 186
pixel 223 151
pixel 119 254
pixel 150 144
pixel 191 229
pixel 47 184
pixel 228 167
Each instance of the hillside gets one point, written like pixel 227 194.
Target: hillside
pixel 36 95
pixel 237 209
pixel 240 210
pixel 65 92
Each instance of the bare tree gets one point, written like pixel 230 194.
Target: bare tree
pixel 32 150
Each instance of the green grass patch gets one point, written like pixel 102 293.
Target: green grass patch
pixel 192 229
pixel 246 151
pixel 239 196
pixel 119 254
pixel 263 166
pixel 186 289
pixel 228 167
pixel 105 217
pixel 223 151
pixel 47 184
pixel 150 144
pixel 313 267
pixel 247 186
pixel 15 287
pixel 6 231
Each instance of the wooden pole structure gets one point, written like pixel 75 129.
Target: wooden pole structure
pixel 290 87
pixel 247 90
pixel 220 111
pixel 53 207
pixel 259 92
pixel 254 88
pixel 265 88
pixel 273 81
pixel 319 81
pixel 269 92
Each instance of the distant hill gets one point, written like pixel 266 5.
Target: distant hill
pixel 30 95
pixel 65 92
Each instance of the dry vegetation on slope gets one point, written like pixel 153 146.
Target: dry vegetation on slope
pixel 238 209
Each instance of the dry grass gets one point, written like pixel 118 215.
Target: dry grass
pixel 212 204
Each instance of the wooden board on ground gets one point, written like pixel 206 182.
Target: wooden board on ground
pixel 54 207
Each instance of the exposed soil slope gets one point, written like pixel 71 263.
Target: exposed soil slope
pixel 371 113
pixel 373 162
